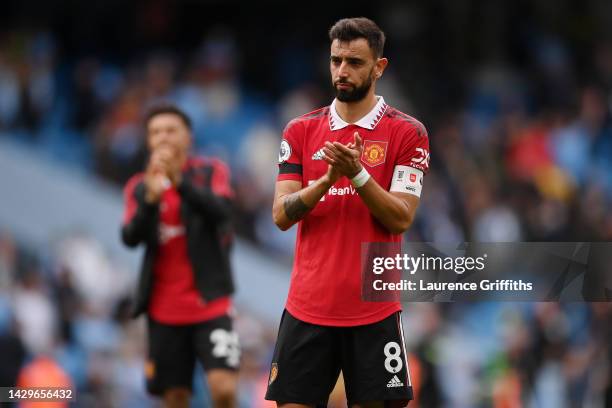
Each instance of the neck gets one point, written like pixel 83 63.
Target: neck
pixel 351 112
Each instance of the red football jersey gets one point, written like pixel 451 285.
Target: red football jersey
pixel 326 278
pixel 175 298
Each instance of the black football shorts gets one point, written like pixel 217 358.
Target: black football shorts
pixel 308 359
pixel 173 350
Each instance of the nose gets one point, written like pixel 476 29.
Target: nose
pixel 163 138
pixel 343 70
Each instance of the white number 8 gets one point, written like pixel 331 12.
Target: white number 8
pixel 393 356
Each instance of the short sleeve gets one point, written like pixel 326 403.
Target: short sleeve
pixel 414 148
pixel 413 160
pixel 290 153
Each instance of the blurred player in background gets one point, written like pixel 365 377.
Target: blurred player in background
pixel 349 173
pixel 179 208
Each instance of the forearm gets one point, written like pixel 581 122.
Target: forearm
pixel 394 213
pixel 290 208
pixel 137 228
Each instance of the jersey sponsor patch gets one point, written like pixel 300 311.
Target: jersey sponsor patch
pixel 337 191
pixel 374 152
pixel 407 179
pixel 421 160
pixel 285 151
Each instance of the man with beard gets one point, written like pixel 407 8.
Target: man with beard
pixel 349 173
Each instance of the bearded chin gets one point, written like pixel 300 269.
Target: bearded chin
pixel 353 95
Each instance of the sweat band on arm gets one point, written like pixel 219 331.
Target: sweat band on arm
pixel 361 178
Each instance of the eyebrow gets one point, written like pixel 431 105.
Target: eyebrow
pixel 352 60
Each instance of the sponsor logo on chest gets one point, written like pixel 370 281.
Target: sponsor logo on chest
pixel 337 191
pixel 168 232
pixel 341 191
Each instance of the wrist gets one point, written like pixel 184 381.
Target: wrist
pixel 353 175
pixel 360 178
pixel 327 181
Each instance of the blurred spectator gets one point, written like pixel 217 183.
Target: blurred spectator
pixel 44 372
pixel 14 352
pixel 9 93
pixel 35 313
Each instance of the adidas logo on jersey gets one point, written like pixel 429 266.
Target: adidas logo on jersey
pixel 395 382
pixel 318 155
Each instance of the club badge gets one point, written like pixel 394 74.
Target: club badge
pixel 273 373
pixel 374 152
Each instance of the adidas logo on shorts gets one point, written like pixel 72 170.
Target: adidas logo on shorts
pixel 395 382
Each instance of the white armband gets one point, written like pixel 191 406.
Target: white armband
pixel 407 179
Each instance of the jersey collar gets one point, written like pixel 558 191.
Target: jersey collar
pixel 369 121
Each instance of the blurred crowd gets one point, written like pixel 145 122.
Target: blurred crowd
pixel 520 124
pixel 64 321
pixel 525 154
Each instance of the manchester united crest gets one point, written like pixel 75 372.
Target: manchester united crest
pixel 273 373
pixel 374 152
pixel 149 369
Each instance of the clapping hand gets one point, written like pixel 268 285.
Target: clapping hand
pixel 345 159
